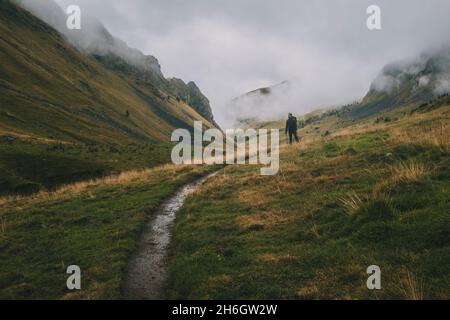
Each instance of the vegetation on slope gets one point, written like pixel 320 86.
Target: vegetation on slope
pixel 65 117
pixel 93 224
pixel 368 194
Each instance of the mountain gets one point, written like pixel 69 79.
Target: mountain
pixel 71 113
pixel 407 83
pixel 191 94
pixel 95 40
pixel 107 93
pixel 259 104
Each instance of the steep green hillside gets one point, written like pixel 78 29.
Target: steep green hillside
pixel 93 39
pixel 51 89
pixel 66 115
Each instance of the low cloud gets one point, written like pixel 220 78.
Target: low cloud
pixel 430 70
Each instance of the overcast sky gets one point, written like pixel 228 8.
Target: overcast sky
pixel 231 47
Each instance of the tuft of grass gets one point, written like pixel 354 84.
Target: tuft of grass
pixel 352 202
pixel 410 171
pixel 3 227
pixel 411 286
pixel 440 136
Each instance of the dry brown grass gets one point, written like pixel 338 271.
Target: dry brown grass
pixel 11 132
pixel 438 136
pixel 307 292
pixel 352 202
pixel 261 220
pixel 411 286
pixel 402 172
pixel 272 258
pixel 315 231
pixel 408 171
pixel 360 129
pixel 3 227
pixel 70 190
pixel 432 128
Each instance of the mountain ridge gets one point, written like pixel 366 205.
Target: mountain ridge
pixel 408 82
pixel 95 40
pixel 75 97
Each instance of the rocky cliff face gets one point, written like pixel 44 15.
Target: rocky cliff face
pixel 191 94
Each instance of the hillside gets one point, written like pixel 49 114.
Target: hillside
pixel 81 100
pixel 368 193
pixel 93 223
pixel 407 83
pixel 96 41
pixel 67 115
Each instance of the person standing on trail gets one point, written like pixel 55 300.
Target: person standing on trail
pixel 291 128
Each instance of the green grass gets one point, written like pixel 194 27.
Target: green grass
pixel 244 236
pixel 96 228
pixel 29 166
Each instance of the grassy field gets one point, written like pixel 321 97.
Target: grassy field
pixel 28 166
pixel 368 194
pixel 364 194
pixel 93 224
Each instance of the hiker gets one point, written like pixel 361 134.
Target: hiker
pixel 291 127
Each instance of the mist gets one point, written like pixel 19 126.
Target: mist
pixel 431 70
pixel 93 38
pixel 230 48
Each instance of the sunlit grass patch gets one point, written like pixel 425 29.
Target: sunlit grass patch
pixel 277 258
pixel 411 286
pixel 352 202
pixel 308 292
pixel 3 227
pixel 71 190
pixel 257 221
pixel 409 171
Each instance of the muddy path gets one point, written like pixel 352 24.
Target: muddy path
pixel 147 268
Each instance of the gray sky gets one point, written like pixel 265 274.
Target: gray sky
pixel 231 47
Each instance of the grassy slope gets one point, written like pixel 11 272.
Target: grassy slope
pixel 92 225
pixel 51 95
pixel 27 166
pixel 51 89
pixel 368 194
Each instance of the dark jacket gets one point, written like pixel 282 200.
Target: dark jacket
pixel 291 124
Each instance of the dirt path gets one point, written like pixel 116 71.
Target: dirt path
pixel 148 267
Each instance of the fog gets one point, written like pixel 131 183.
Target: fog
pixel 231 47
pixel 431 69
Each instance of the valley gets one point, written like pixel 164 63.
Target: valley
pixel 91 175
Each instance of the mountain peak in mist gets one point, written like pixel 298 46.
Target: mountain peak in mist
pixel 408 82
pixel 429 73
pixel 261 104
pixel 93 38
